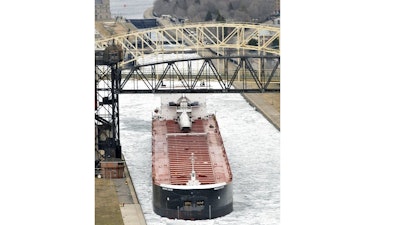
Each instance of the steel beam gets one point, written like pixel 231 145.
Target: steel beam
pixel 199 36
pixel 204 91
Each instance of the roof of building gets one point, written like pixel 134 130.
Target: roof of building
pixel 143 23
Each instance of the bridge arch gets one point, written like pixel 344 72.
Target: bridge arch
pixel 221 38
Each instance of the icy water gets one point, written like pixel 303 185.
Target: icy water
pixel 252 145
pixel 251 142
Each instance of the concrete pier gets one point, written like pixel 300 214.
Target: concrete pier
pixel 131 210
pixel 116 202
pixel 267 104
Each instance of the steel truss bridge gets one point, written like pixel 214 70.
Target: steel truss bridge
pixel 196 37
pixel 191 58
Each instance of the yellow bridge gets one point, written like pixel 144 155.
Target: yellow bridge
pixel 221 38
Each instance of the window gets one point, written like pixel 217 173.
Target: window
pixel 200 203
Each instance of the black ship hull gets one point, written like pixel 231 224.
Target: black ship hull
pixel 193 204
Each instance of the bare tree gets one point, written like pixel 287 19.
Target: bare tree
pixel 236 10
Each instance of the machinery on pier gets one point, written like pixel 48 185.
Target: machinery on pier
pixel 108 157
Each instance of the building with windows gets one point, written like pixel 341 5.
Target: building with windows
pixel 102 10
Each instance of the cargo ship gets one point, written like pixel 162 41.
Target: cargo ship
pixel 191 175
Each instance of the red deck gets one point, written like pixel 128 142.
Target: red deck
pixel 172 151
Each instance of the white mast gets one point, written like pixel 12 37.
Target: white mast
pixel 193 181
